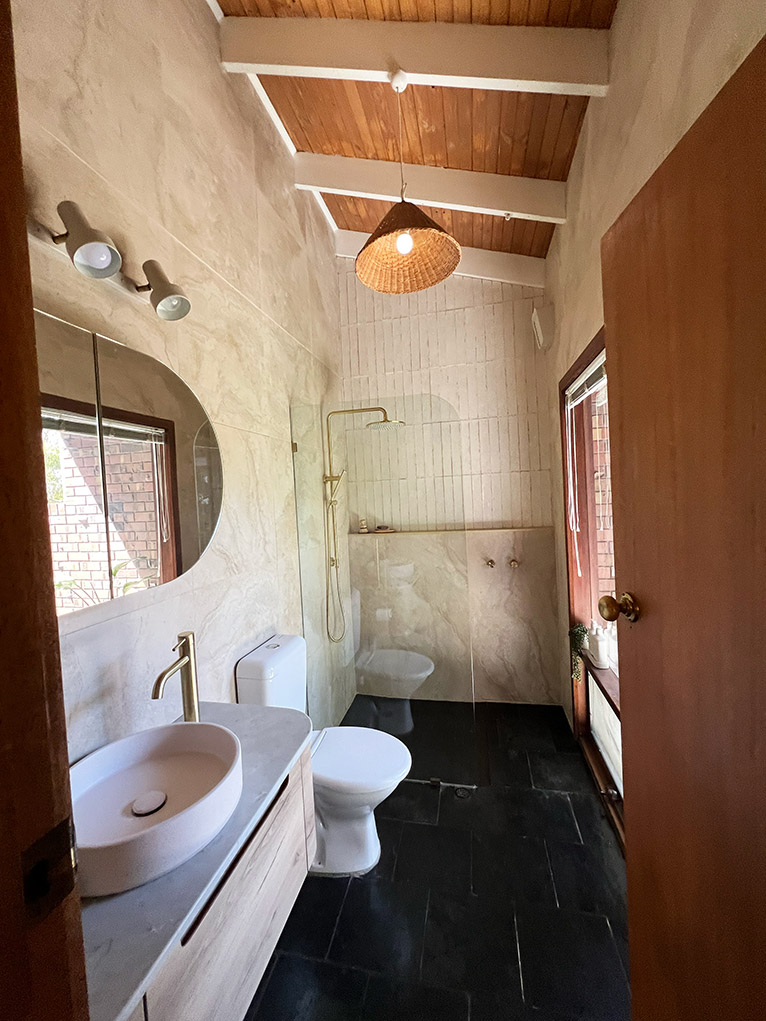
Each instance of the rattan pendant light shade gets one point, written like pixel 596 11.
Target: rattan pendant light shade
pixel 435 253
pixel 428 256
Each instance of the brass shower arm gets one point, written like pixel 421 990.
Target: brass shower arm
pixel 331 476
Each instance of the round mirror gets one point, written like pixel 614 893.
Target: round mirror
pixel 133 469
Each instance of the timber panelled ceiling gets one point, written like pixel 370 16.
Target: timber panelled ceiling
pixel 524 237
pixel 520 134
pixel 541 13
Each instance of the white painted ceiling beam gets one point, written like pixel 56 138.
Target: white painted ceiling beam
pixel 568 61
pixel 475 262
pixel 467 190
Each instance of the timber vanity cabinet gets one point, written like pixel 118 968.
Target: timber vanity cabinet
pixel 194 944
pixel 215 969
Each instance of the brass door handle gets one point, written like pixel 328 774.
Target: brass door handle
pixel 611 608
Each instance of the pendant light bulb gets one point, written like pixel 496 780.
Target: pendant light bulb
pixel 404 243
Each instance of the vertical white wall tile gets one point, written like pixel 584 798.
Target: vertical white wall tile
pixel 458 364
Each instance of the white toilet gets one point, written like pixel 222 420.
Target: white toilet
pixel 355 768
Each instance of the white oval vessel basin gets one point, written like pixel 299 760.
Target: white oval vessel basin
pixel 147 803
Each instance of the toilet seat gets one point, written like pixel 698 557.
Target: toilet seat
pixel 358 760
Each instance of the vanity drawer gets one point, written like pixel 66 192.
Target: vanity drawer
pixel 308 806
pixel 214 972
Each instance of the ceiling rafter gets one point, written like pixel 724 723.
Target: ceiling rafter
pixel 495 57
pixel 475 262
pixel 467 190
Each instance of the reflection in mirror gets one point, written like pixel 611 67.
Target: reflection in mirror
pixel 209 481
pixel 150 448
pixel 73 475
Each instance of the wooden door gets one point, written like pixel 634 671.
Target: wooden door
pixel 42 972
pixel 684 272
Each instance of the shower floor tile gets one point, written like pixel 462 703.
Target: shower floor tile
pixel 435 855
pixel 499 902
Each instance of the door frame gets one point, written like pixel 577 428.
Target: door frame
pixel 42 968
pixel 580 600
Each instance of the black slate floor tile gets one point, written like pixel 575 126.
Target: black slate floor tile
pixel 381 927
pixel 485 809
pixel 389 832
pixel 590 878
pixel 527 813
pixel 470 943
pixel 303 990
pixel 621 941
pixel 561 771
pixel 591 818
pixel 526 728
pixel 395 1001
pixel 509 767
pixel 558 724
pixel 435 856
pixel 569 963
pixel 312 921
pixel 411 802
pixel 443 742
pixel 512 867
pixel 435 923
pixel 501 1006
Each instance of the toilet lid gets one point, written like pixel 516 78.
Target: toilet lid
pixel 358 759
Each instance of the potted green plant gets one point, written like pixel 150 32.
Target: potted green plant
pixel 578 641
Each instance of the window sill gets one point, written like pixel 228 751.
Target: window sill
pixel 608 682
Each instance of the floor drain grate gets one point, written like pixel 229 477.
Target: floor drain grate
pixel 462 792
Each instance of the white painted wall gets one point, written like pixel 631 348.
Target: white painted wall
pixel 667 61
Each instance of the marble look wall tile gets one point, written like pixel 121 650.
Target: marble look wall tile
pixel 414 597
pixel 232 617
pixel 282 262
pixel 245 541
pixel 513 615
pixel 128 112
pixel 110 667
pixel 77 64
pixel 433 593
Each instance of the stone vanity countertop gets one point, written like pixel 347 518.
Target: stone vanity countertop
pixel 129 935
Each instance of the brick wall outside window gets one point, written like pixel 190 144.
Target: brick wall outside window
pixel 78 539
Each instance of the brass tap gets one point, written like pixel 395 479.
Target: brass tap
pixel 186 664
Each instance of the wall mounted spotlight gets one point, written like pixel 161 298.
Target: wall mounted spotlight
pixel 92 252
pixel 168 300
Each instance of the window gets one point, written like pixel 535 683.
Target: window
pixel 98 556
pixel 590 549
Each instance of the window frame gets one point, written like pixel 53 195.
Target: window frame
pixel 582 592
pixel 170 550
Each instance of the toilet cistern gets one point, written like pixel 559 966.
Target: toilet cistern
pixel 186 665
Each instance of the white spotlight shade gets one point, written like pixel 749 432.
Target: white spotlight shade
pixel 168 299
pixel 93 253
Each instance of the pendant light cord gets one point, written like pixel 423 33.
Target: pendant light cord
pixel 401 159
